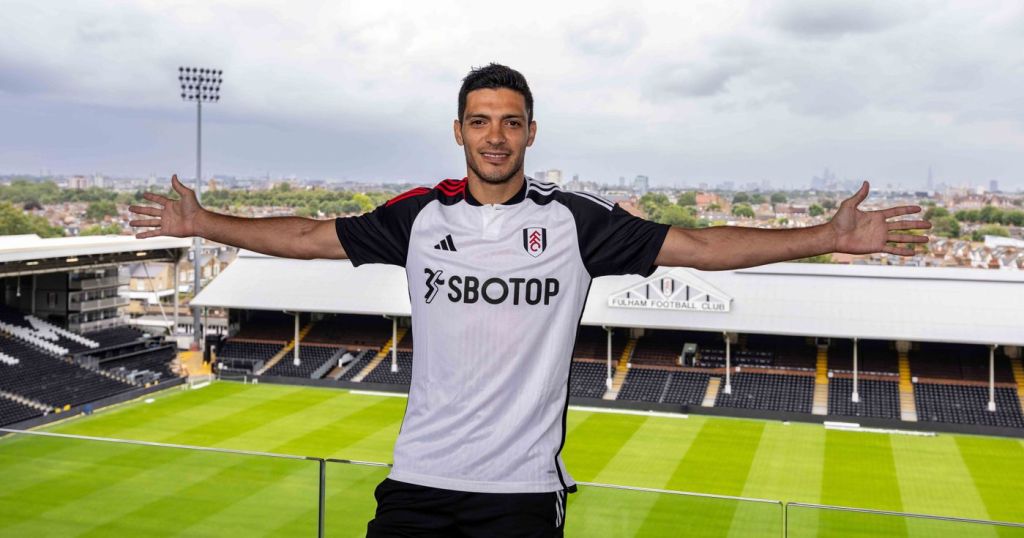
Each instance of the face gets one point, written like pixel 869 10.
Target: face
pixel 495 133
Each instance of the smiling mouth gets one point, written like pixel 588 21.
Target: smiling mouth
pixel 495 157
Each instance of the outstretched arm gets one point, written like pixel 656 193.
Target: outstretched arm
pixel 286 237
pixel 850 231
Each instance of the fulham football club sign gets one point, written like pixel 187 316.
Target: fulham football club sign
pixel 676 289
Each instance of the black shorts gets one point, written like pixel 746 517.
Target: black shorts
pixel 411 510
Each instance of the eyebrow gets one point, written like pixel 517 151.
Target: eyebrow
pixel 486 117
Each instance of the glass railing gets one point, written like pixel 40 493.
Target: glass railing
pixel 57 485
pixel 66 485
pixel 810 520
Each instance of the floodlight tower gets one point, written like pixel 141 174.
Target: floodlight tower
pixel 198 84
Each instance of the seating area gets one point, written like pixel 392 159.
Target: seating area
pixel 873 356
pixel 243 349
pixel 12 411
pixel 592 343
pixel 50 380
pixel 960 404
pixel 792 352
pixel 686 388
pixel 770 392
pixel 383 374
pixel 312 359
pixel 662 348
pixel 262 325
pixel 362 359
pixel 587 379
pixel 644 384
pixel 957 362
pixel 115 336
pixel 878 399
pixel 153 364
pixel 715 358
pixel 353 332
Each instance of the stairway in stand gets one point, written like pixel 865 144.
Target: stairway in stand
pixel 908 410
pixel 821 383
pixel 381 355
pixel 621 369
pixel 287 349
pixel 1018 378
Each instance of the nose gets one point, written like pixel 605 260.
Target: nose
pixel 495 135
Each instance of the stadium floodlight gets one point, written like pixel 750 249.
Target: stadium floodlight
pixel 199 84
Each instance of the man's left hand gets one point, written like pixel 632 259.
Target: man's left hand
pixel 866 232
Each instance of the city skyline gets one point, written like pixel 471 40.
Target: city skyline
pixel 704 92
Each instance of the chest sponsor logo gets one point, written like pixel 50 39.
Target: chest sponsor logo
pixel 469 289
pixel 675 290
pixel 535 241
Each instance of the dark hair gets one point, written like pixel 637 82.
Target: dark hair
pixel 495 76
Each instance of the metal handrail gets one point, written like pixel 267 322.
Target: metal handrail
pixel 784 506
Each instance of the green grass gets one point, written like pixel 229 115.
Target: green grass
pixel 62 487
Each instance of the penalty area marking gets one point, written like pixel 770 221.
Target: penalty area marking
pixel 627 412
pixel 379 393
pixel 855 427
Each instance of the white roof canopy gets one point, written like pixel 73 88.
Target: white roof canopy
pixel 877 302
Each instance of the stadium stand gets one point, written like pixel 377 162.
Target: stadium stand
pixel 262 325
pixel 587 379
pixel 644 384
pixel 53 381
pixel 686 388
pixel 383 374
pixel 789 351
pixel 12 411
pixel 313 359
pixel 962 404
pixel 772 392
pixel 142 367
pixel 873 356
pixel 592 343
pixel 362 359
pixel 658 348
pixel 957 362
pixel 880 399
pixel 715 358
pixel 353 332
pixel 115 336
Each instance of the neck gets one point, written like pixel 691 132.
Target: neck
pixel 490 193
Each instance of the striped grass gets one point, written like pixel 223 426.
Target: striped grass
pixel 62 487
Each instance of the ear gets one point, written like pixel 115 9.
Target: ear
pixel 457 126
pixel 533 133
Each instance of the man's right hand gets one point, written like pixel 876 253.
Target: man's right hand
pixel 175 218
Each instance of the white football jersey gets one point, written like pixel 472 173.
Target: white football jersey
pixel 497 294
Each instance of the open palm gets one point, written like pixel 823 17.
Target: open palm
pixel 866 232
pixel 175 218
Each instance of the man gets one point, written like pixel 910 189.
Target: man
pixel 499 266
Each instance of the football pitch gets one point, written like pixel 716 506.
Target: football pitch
pixel 63 487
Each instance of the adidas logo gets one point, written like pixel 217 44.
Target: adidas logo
pixel 446 244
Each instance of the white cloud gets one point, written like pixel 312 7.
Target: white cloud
pixel 696 91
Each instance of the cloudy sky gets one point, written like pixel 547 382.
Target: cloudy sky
pixel 700 92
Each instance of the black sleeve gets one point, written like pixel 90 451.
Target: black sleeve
pixel 382 235
pixel 614 242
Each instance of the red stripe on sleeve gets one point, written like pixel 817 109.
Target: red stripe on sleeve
pixel 418 191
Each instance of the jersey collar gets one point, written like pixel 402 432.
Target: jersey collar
pixel 515 199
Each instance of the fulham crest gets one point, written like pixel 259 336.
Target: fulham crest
pixel 535 240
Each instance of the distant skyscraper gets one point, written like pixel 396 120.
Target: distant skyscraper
pixel 641 185
pixel 993 186
pixel 555 176
pixel 622 181
pixel 539 175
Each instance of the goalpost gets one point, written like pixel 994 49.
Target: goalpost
pixel 199 381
